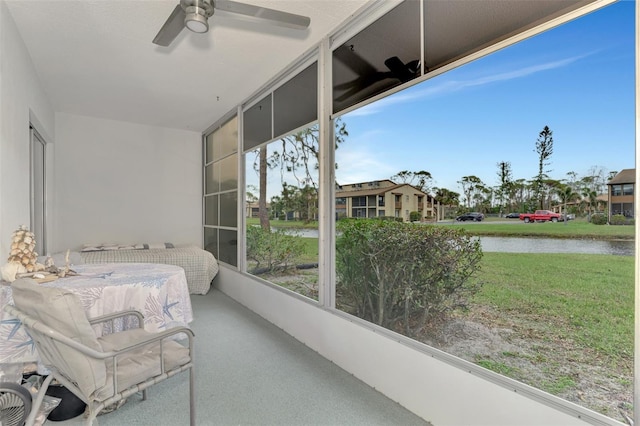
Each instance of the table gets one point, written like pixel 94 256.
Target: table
pixel 159 291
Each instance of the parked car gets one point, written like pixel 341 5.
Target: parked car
pixel 513 215
pixel 569 216
pixel 540 216
pixel 475 216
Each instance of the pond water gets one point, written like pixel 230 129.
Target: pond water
pixel 537 245
pixel 553 245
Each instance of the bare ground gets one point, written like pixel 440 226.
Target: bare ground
pixel 526 349
pixel 531 352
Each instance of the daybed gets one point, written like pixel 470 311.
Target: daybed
pixel 200 266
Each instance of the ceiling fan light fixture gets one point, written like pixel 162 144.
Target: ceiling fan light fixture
pixel 196 19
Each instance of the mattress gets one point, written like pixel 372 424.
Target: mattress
pixel 200 266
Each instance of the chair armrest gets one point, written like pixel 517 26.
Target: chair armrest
pixel 154 337
pixel 116 315
pixel 53 334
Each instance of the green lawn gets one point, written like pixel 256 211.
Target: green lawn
pixel 570 229
pixel 297 224
pixel 515 228
pixel 584 299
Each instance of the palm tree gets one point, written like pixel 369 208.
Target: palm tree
pixel 566 195
pixel 591 198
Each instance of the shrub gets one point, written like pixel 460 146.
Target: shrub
pixel 388 218
pixel 272 250
pixel 414 216
pixel 618 219
pixel 402 276
pixel 598 219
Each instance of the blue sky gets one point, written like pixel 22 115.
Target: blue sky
pixel 578 79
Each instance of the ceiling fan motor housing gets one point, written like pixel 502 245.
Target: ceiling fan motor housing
pixel 197 13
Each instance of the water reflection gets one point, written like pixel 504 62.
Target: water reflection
pixel 552 245
pixel 534 245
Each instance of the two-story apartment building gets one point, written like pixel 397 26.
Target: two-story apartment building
pixel 621 198
pixel 384 198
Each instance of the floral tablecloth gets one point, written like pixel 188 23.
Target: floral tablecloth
pixel 159 291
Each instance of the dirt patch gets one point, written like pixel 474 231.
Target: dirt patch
pixel 524 353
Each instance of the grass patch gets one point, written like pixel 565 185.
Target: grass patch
pixel 498 367
pixel 276 223
pixel 310 251
pixel 586 299
pixel 559 385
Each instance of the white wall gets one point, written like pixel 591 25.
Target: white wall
pixel 21 98
pixel 437 391
pixel 119 182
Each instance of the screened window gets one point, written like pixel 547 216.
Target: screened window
pixel 393 273
pixel 221 192
pixel 382 56
pixel 282 177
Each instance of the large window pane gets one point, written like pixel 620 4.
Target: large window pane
pixel 542 312
pixel 282 212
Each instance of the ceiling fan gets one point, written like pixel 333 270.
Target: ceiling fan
pixel 194 15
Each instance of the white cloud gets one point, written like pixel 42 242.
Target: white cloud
pixel 361 165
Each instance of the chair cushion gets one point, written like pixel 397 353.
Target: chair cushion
pixel 62 311
pixel 141 364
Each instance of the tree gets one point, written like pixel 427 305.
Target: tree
pixel 590 197
pixel 504 182
pixel 447 197
pixel 471 185
pixel 566 194
pixel 544 148
pixel 597 179
pixel 296 157
pixel 263 213
pixel 420 180
pixel 518 193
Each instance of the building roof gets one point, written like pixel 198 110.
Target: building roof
pixel 624 176
pixel 376 191
pixel 365 192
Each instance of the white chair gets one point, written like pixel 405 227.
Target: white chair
pixel 99 370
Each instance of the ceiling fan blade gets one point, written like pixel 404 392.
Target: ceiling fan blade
pixel 360 84
pixel 283 19
pixel 171 27
pixel 399 69
pixel 354 61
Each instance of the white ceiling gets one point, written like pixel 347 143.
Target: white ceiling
pixel 96 58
